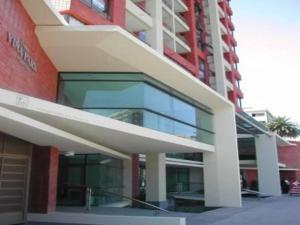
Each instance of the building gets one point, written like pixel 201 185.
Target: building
pixel 288 157
pixel 263 115
pixel 287 154
pixel 95 93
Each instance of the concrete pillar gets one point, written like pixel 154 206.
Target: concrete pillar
pixel 267 165
pixel 155 36
pixel 127 177
pixel 221 168
pixel 43 183
pixel 216 36
pixel 156 179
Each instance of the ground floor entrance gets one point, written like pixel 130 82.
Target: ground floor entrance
pixel 101 175
pixel 15 160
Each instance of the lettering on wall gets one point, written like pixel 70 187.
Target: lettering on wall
pixel 22 51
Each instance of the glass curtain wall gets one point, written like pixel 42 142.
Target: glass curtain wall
pixel 178 179
pixel 137 99
pixel 101 173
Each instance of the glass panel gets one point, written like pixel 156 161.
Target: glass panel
pixel 74 176
pixel 157 100
pixel 184 111
pixel 87 94
pixel 76 159
pixel 204 120
pixel 136 102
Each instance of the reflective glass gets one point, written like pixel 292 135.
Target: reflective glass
pixel 138 102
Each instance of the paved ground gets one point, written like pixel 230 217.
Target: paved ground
pixel 268 211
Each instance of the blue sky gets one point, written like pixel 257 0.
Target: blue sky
pixel 268 36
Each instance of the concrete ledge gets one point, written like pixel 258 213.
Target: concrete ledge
pixel 94 219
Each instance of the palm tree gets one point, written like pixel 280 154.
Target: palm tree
pixel 284 127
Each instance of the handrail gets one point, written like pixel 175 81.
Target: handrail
pixel 120 195
pixel 133 199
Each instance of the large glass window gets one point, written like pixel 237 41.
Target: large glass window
pixel 137 99
pixel 101 173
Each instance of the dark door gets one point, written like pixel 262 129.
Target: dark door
pixel 15 156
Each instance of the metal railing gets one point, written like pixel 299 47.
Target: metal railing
pixel 90 191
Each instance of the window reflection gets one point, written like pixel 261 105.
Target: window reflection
pixel 137 102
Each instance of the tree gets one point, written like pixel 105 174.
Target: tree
pixel 284 127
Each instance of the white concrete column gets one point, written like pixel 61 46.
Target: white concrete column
pixel 156 179
pixel 127 177
pixel 267 165
pixel 216 36
pixel 155 36
pixel 221 168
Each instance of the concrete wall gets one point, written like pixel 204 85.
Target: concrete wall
pixel 93 219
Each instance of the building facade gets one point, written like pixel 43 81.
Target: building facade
pixel 97 93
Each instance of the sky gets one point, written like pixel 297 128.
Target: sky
pixel 268 37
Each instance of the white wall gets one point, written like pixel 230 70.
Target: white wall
pixel 94 219
pixel 267 165
pixel 221 168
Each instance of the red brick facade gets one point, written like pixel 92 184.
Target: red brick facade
pixel 43 188
pixel 17 29
pixel 14 73
pixel 290 156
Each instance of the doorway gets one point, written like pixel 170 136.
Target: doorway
pixel 15 160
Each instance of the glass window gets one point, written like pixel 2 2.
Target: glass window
pixel 98 5
pixel 157 100
pixel 95 171
pixel 91 94
pixel 134 99
pixel 202 70
pixel 183 111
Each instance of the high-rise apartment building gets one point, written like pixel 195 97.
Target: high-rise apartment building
pixel 126 97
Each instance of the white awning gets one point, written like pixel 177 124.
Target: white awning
pixel 98 48
pixel 46 119
pixel 42 134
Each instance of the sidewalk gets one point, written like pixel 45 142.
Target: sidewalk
pixel 268 211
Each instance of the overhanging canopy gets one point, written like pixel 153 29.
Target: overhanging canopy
pixel 68 123
pixel 99 48
pixel 246 125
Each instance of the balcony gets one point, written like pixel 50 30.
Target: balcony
pixel 176 43
pixel 229 39
pixel 180 6
pixel 231 57
pixel 180 25
pixel 226 21
pixel 181 46
pixel 229 85
pixel 225 7
pixel 223 28
pixel 236 74
pixel 235 57
pixel 136 18
pixel 239 93
pixel 174 22
pixel 227 65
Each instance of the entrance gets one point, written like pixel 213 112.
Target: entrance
pixel 15 156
